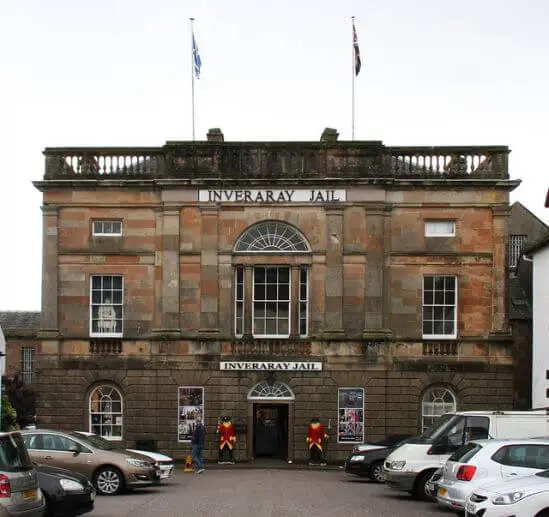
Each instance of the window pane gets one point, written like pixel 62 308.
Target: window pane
pixel 117 297
pixel 428 283
pixel 449 313
pixel 283 327
pixel 284 292
pixel 450 297
pixel 259 326
pixel 272 276
pixel 272 292
pixel 107 282
pixel 271 310
pixel 428 297
pixel 259 292
pixel 239 292
pixel 428 313
pixel 284 275
pixel 271 327
pixel 96 282
pixel 283 310
pixel 259 274
pixel 259 310
pixel 439 297
pixel 428 327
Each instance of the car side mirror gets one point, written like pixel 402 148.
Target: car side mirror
pixel 75 449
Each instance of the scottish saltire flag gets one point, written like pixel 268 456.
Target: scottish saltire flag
pixel 358 63
pixel 196 59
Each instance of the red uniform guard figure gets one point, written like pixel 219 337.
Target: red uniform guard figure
pixel 227 439
pixel 315 439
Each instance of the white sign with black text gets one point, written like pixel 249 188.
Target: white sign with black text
pixel 300 195
pixel 305 366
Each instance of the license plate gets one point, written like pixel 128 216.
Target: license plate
pixel 470 508
pixel 442 492
pixel 30 494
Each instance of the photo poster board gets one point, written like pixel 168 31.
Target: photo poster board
pixel 350 415
pixel 190 402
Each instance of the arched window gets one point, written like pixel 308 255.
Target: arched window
pixel 275 390
pixel 106 412
pixel 276 305
pixel 436 401
pixel 273 237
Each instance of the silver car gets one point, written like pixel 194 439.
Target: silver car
pixel 486 461
pixel 20 495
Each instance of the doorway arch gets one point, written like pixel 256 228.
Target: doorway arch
pixel 270 420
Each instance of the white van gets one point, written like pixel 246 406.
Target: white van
pixel 410 466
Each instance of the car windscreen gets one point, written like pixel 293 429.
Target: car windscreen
pixel 465 452
pixel 95 441
pixel 13 453
pixel 437 429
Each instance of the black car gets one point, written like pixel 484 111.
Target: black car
pixel 67 493
pixel 367 458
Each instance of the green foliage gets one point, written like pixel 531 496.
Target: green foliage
pixel 9 415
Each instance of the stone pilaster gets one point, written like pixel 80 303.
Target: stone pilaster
pixel 209 275
pixel 499 278
pixel 333 316
pixel 376 284
pixel 170 270
pixel 50 271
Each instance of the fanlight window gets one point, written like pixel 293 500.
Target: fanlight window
pixel 277 390
pixel 272 236
pixel 436 401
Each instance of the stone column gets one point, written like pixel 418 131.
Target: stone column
pixel 209 277
pixel 170 270
pixel 50 271
pixel 499 238
pixel 333 315
pixel 376 285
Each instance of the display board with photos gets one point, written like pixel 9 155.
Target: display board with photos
pixel 350 406
pixel 190 405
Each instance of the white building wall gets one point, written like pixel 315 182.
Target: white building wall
pixel 540 338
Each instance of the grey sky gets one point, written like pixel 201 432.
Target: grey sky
pixel 117 72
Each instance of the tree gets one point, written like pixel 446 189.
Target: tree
pixel 9 415
pixel 22 398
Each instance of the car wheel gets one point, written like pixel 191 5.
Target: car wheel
pixel 543 513
pixel 108 481
pixel 376 472
pixel 420 488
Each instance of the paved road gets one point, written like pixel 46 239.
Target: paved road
pixel 265 493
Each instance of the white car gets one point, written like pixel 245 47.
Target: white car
pixel 482 462
pixel 164 464
pixel 524 497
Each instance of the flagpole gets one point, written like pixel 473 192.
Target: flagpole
pixel 192 71
pixel 353 81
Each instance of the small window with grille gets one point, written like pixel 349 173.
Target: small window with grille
pixel 107 228
pixel 516 244
pixel 27 353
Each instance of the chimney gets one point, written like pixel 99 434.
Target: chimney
pixel 329 135
pixel 215 135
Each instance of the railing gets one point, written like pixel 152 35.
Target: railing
pixel 268 161
pixel 105 346
pixel 440 349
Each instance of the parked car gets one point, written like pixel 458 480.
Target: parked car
pixel 367 458
pixel 66 493
pixel 431 487
pixel 524 497
pixel 165 464
pixel 410 466
pixel 486 461
pixel 19 491
pixel 110 471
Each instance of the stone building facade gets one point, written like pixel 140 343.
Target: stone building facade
pixel 273 282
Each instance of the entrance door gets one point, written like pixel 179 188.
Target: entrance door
pixel 270 431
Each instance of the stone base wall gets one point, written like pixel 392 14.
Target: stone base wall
pixel 150 393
